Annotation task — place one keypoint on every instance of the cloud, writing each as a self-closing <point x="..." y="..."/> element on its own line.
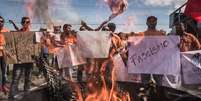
<point x="161" y="3"/>
<point x="62" y="12"/>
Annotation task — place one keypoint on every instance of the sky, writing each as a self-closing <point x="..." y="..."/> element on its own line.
<point x="94" y="12"/>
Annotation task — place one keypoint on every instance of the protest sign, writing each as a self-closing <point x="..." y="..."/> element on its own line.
<point x="191" y="67"/>
<point x="20" y="47"/>
<point x="154" y="55"/>
<point x="94" y="44"/>
<point x="121" y="71"/>
<point x="70" y="56"/>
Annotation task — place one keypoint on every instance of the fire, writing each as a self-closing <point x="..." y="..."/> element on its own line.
<point x="101" y="91"/>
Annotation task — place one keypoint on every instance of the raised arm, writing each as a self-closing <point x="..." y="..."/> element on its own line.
<point x="15" y="26"/>
<point x="91" y="29"/>
<point x="84" y="24"/>
<point x="101" y="26"/>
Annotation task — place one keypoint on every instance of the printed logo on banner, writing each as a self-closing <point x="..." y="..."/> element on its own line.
<point x="154" y="55"/>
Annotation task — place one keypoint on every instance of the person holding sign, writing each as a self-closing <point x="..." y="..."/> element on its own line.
<point x="188" y="42"/>
<point x="2" y="58"/>
<point x="20" y="67"/>
<point x="25" y="22"/>
<point x="151" y="31"/>
<point x="68" y="37"/>
<point x="115" y="48"/>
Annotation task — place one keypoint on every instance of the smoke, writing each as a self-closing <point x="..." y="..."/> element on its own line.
<point x="39" y="9"/>
<point x="62" y="12"/>
<point x="130" y="24"/>
<point x="52" y="12"/>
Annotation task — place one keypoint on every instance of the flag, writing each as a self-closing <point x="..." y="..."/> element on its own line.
<point x="193" y="9"/>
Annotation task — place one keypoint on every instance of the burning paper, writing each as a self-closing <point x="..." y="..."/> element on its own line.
<point x="117" y="7"/>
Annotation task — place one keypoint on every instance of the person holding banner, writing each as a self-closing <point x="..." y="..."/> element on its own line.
<point x="25" y="22"/>
<point x="19" y="68"/>
<point x="151" y="31"/>
<point x="2" y="56"/>
<point x="152" y="79"/>
<point x="115" y="48"/>
<point x="86" y="27"/>
<point x="188" y="42"/>
<point x="68" y="37"/>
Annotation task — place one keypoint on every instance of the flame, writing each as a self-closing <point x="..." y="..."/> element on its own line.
<point x="104" y="92"/>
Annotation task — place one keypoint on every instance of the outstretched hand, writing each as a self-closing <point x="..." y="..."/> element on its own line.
<point x="11" y="21"/>
<point x="83" y="23"/>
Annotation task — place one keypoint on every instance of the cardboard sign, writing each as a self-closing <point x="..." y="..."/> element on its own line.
<point x="20" y="47"/>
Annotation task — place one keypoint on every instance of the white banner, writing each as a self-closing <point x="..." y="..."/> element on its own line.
<point x="38" y="36"/>
<point x="70" y="56"/>
<point x="191" y="67"/>
<point x="154" y="55"/>
<point x="94" y="44"/>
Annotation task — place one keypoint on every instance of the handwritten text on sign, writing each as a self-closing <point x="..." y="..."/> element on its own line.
<point x="154" y="55"/>
<point x="191" y="71"/>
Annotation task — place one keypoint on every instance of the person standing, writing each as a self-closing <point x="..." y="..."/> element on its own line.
<point x="188" y="42"/>
<point x="19" y="68"/>
<point x="2" y="56"/>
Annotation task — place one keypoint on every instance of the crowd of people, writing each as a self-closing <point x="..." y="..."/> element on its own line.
<point x="51" y="44"/>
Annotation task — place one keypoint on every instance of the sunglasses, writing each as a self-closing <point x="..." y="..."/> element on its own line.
<point x="25" y="22"/>
<point x="1" y="21"/>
